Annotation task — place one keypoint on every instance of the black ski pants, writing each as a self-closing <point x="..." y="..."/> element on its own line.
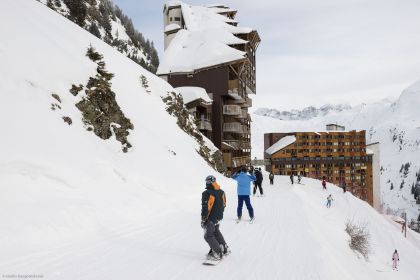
<point x="258" y="185"/>
<point x="213" y="236"/>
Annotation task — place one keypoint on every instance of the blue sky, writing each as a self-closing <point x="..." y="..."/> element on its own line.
<point x="318" y="52"/>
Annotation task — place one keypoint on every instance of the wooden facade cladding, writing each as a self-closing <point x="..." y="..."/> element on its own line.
<point x="338" y="156"/>
<point x="228" y="84"/>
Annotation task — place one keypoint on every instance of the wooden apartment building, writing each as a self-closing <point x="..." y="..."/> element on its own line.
<point x="339" y="156"/>
<point x="226" y="71"/>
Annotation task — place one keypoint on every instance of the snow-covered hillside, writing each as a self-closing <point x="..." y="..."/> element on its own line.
<point x="304" y="114"/>
<point x="75" y="206"/>
<point x="396" y="125"/>
<point x="108" y="22"/>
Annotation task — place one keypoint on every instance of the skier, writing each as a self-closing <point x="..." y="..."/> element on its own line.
<point x="271" y="177"/>
<point x="395" y="260"/>
<point x="213" y="203"/>
<point x="291" y="178"/>
<point x="258" y="181"/>
<point x="244" y="180"/>
<point x="299" y="178"/>
<point x="343" y="186"/>
<point x="329" y="199"/>
<point x="324" y="183"/>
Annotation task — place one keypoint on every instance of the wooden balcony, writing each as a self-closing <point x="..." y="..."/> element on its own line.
<point x="240" y="161"/>
<point x="247" y="103"/>
<point x="234" y="127"/>
<point x="233" y="85"/>
<point x="205" y="125"/>
<point x="232" y="110"/>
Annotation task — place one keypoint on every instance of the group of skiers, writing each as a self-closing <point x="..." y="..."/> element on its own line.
<point x="213" y="203"/>
<point x="292" y="178"/>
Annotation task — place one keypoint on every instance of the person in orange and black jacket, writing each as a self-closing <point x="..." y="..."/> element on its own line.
<point x="213" y="203"/>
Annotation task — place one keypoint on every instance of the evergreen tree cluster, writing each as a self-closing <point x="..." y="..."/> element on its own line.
<point x="94" y="15"/>
<point x="100" y="110"/>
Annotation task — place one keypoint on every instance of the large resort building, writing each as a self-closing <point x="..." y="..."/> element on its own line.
<point x="209" y="56"/>
<point x="340" y="156"/>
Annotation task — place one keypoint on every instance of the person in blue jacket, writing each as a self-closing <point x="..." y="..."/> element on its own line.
<point x="244" y="191"/>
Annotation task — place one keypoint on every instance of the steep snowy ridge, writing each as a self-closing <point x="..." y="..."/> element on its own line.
<point x="108" y="22"/>
<point x="396" y="125"/>
<point x="304" y="114"/>
<point x="74" y="206"/>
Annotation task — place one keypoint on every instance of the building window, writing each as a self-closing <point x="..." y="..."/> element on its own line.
<point x="177" y="19"/>
<point x="170" y="19"/>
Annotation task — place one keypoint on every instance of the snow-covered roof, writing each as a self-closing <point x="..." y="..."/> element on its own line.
<point x="173" y="3"/>
<point x="195" y="50"/>
<point x="204" y="42"/>
<point x="190" y="94"/>
<point x="172" y="27"/>
<point x="282" y="143"/>
<point x="369" y="152"/>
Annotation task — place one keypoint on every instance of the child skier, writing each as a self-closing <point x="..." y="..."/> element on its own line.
<point x="291" y="178"/>
<point x="271" y="177"/>
<point x="213" y="203"/>
<point x="299" y="178"/>
<point x="329" y="199"/>
<point x="244" y="180"/>
<point x="395" y="260"/>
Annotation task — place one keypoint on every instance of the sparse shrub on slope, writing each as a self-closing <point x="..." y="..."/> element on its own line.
<point x="187" y="122"/>
<point x="359" y="237"/>
<point x="101" y="112"/>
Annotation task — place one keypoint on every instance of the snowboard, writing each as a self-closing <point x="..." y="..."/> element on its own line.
<point x="212" y="262"/>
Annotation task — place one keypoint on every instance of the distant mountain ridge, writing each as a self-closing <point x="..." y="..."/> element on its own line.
<point x="108" y="22"/>
<point x="304" y="114"/>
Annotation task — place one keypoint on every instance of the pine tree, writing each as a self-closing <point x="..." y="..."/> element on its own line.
<point x="94" y="30"/>
<point x="78" y="11"/>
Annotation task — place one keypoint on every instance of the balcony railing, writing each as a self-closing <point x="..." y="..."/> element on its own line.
<point x="235" y="127"/>
<point x="232" y="144"/>
<point x="232" y="110"/>
<point x="247" y="103"/>
<point x="205" y="125"/>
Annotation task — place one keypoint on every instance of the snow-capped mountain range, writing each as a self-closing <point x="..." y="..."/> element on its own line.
<point x="396" y="125"/>
<point x="304" y="114"/>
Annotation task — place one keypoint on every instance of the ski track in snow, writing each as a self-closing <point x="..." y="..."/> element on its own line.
<point x="294" y="234"/>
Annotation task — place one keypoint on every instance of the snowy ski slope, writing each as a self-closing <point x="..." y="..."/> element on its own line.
<point x="73" y="206"/>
